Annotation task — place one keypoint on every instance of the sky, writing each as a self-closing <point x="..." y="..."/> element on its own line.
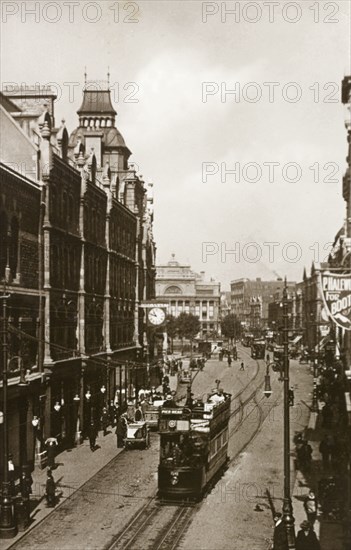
<point x="235" y="117"/>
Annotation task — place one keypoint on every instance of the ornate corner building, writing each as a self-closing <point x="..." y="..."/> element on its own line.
<point x="186" y="291"/>
<point x="77" y="256"/>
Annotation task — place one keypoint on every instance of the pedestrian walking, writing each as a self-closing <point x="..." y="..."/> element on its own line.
<point x="121" y="430"/>
<point x="26" y="481"/>
<point x="229" y="360"/>
<point x="112" y="414"/>
<point x="51" y="443"/>
<point x="26" y="490"/>
<point x="92" y="436"/>
<point x="306" y="538"/>
<point x="311" y="507"/>
<point x="104" y="420"/>
<point x="242" y="367"/>
<point x="280" y="541"/>
<point x="50" y="492"/>
<point x="11" y="474"/>
<point x="291" y="397"/>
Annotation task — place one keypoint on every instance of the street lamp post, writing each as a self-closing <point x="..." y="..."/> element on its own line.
<point x="8" y="528"/>
<point x="287" y="503"/>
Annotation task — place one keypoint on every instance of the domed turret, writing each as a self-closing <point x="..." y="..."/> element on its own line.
<point x="97" y="128"/>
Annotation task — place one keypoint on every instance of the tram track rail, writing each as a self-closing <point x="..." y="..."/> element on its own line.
<point x="165" y="524"/>
<point x="252" y="436"/>
<point x="156" y="526"/>
<point x="175" y="519"/>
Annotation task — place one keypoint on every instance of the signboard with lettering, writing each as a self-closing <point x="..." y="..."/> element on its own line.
<point x="336" y="293"/>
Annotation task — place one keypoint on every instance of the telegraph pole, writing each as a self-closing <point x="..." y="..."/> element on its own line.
<point x="287" y="503"/>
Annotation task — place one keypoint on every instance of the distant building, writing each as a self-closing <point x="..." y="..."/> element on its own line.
<point x="225" y="303"/>
<point x="189" y="292"/>
<point x="250" y="299"/>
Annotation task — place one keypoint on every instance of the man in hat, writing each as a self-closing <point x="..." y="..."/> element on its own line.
<point x="169" y="402"/>
<point x="121" y="430"/>
<point x="104" y="420"/>
<point x="306" y="538"/>
<point x="310" y="506"/>
<point x="50" y="489"/>
<point x="92" y="436"/>
<point x="280" y="541"/>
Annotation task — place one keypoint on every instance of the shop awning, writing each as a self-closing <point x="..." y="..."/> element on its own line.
<point x="296" y="339"/>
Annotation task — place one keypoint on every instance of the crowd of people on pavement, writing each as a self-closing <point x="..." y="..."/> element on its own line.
<point x="323" y="472"/>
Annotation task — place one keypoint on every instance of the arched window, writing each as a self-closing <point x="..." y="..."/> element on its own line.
<point x="173" y="290"/>
<point x="54" y="266"/>
<point x="70" y="211"/>
<point x="64" y="207"/>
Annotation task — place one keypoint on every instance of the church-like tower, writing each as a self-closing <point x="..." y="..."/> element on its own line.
<point x="97" y="131"/>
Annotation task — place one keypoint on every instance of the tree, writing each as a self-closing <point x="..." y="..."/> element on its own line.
<point x="231" y="326"/>
<point x="172" y="328"/>
<point x="188" y="327"/>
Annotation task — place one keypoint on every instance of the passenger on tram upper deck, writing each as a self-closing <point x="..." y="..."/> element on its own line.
<point x="169" y="402"/>
<point x="217" y="397"/>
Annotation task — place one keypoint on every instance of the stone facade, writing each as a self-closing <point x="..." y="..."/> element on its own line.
<point x="250" y="300"/>
<point x="186" y="291"/>
<point x="78" y="254"/>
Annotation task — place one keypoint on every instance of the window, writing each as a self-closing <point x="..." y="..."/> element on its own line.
<point x="14" y="247"/>
<point x="64" y="207"/>
<point x="3" y="243"/>
<point x="173" y="290"/>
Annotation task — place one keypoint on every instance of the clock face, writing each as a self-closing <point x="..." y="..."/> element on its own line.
<point x="156" y="316"/>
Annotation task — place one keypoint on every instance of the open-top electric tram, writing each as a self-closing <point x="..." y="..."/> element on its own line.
<point x="193" y="446"/>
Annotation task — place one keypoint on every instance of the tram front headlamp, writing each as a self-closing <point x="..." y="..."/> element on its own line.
<point x="174" y="478"/>
<point x="172" y="424"/>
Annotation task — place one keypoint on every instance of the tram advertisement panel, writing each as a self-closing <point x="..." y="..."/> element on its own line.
<point x="336" y="292"/>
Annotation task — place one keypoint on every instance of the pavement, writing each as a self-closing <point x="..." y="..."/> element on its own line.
<point x="74" y="467"/>
<point x="330" y="532"/>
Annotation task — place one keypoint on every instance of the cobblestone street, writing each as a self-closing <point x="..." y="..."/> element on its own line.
<point x="93" y="515"/>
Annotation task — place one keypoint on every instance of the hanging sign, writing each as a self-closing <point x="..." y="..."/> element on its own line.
<point x="336" y="293"/>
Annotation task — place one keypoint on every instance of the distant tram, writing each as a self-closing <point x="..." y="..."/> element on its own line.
<point x="258" y="348"/>
<point x="193" y="446"/>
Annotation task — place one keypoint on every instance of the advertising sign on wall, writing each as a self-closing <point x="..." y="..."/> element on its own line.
<point x="336" y="292"/>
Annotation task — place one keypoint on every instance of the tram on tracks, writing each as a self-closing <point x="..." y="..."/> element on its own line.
<point x="258" y="348"/>
<point x="193" y="446"/>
